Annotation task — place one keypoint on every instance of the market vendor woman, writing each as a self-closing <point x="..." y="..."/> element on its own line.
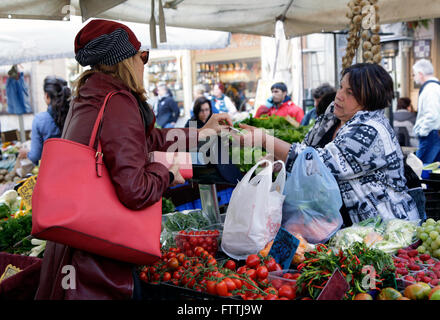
<point x="127" y="136"/>
<point x="356" y="142"/>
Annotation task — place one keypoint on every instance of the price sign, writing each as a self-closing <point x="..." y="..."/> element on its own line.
<point x="25" y="191"/>
<point x="284" y="248"/>
<point x="335" y="288"/>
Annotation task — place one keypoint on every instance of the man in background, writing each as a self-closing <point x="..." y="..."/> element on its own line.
<point x="167" y="108"/>
<point x="280" y="104"/>
<point x="427" y="123"/>
<point x="317" y="94"/>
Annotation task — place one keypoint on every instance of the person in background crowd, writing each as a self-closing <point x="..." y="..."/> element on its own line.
<point x="427" y="123"/>
<point x="50" y="123"/>
<point x="202" y="111"/>
<point x="198" y="91"/>
<point x="317" y="94"/>
<point x="167" y="108"/>
<point x="280" y="104"/>
<point x="325" y="101"/>
<point x="220" y="102"/>
<point x="127" y="136"/>
<point x="207" y="93"/>
<point x="154" y="100"/>
<point x="404" y="120"/>
<point x="355" y="141"/>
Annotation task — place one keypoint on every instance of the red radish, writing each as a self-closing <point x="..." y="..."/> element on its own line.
<point x="413" y="267"/>
<point x="435" y="282"/>
<point x="413" y="253"/>
<point x="425" y="257"/>
<point x="426" y="279"/>
<point x="410" y="278"/>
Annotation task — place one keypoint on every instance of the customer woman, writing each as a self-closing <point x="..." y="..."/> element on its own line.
<point x="221" y="102"/>
<point x="356" y="142"/>
<point x="48" y="124"/>
<point x="127" y="136"/>
<point x="202" y="112"/>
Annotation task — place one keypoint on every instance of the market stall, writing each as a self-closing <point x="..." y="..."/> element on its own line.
<point x="261" y="257"/>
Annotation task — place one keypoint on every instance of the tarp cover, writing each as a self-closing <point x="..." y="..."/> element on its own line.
<point x="31" y="40"/>
<point x="237" y="16"/>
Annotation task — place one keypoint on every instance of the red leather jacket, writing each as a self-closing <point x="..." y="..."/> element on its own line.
<point x="138" y="183"/>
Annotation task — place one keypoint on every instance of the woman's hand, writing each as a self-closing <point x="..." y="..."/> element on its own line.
<point x="178" y="179"/>
<point x="215" y="124"/>
<point x="255" y="137"/>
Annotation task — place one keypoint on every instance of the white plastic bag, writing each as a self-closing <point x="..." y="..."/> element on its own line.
<point x="254" y="212"/>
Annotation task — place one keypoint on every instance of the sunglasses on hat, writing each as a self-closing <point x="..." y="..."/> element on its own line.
<point x="145" y="55"/>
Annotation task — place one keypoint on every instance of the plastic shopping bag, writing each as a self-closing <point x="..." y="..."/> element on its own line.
<point x="254" y="212"/>
<point x="312" y="203"/>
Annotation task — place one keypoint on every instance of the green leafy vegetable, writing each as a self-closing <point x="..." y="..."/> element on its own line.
<point x="15" y="230"/>
<point x="167" y="206"/>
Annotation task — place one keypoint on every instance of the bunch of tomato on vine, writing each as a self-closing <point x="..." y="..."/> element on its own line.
<point x="203" y="273"/>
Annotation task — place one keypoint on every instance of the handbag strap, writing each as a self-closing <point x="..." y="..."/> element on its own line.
<point x="99" y="155"/>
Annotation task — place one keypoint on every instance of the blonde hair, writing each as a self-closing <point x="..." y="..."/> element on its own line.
<point x="123" y="71"/>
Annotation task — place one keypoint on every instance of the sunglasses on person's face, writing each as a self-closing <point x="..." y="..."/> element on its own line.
<point x="144" y="56"/>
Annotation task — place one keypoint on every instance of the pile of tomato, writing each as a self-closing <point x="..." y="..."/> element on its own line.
<point x="203" y="273"/>
<point x="187" y="241"/>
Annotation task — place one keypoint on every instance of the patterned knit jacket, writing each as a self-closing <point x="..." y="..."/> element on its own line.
<point x="367" y="162"/>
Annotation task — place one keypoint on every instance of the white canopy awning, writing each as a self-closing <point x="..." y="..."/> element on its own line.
<point x="237" y="16"/>
<point x="31" y="40"/>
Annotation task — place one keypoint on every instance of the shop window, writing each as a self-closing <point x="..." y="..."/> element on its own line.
<point x="240" y="78"/>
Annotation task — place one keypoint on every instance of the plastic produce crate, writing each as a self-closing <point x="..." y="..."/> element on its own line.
<point x="432" y="205"/>
<point x="23" y="285"/>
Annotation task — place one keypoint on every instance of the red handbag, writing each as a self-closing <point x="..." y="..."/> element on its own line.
<point x="75" y="203"/>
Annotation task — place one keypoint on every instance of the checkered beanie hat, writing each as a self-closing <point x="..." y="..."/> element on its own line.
<point x="105" y="42"/>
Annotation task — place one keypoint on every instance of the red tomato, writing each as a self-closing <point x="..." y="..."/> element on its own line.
<point x="211" y="262"/>
<point x="230" y="284"/>
<point x="180" y="257"/>
<point x="198" y="251"/>
<point x="237" y="282"/>
<point x="287" y="291"/>
<point x="171" y="255"/>
<point x="262" y="272"/>
<point x="143" y="276"/>
<point x="241" y="270"/>
<point x="173" y="263"/>
<point x="166" y="276"/>
<point x="230" y="264"/>
<point x="271" y="290"/>
<point x="252" y="260"/>
<point x="156" y="277"/>
<point x="288" y="276"/>
<point x="264" y="282"/>
<point x="177" y="275"/>
<point x="277" y="283"/>
<point x="270" y="264"/>
<point x="271" y="297"/>
<point x="296" y="276"/>
<point x="222" y="289"/>
<point x="252" y="274"/>
<point x="186" y="264"/>
<point x="211" y="287"/>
